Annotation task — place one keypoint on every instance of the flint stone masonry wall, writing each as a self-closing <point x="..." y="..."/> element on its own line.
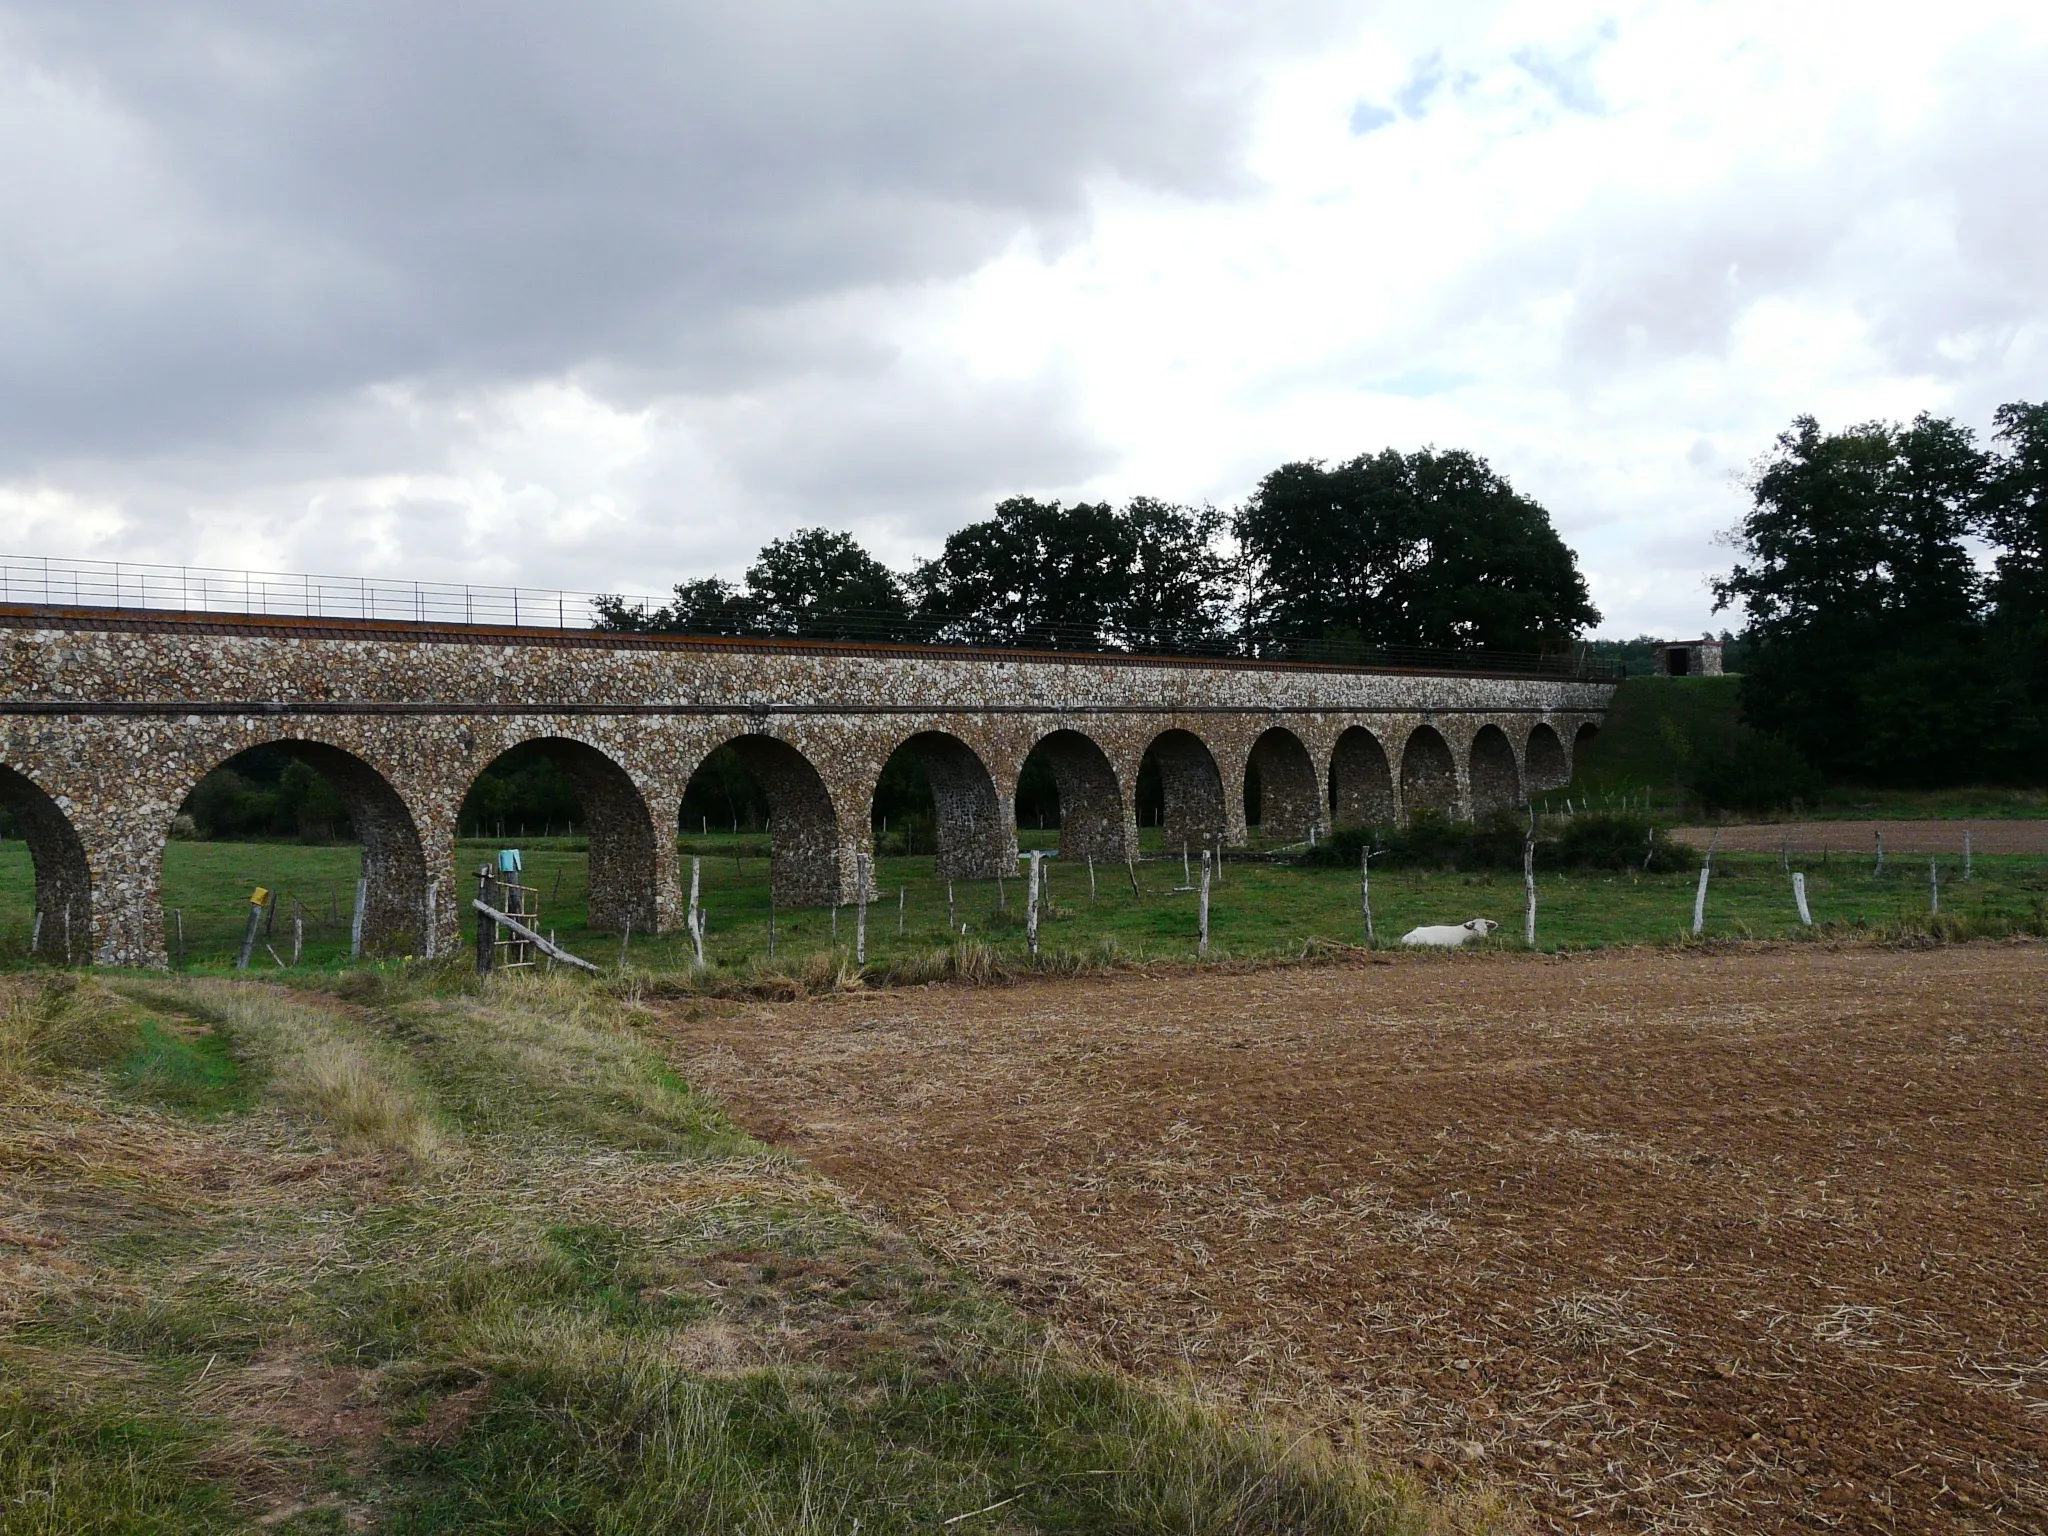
<point x="107" y="723"/>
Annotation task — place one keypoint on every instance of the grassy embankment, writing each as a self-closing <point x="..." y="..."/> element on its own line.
<point x="1660" y="728"/>
<point x="1258" y="909"/>
<point x="415" y="1257"/>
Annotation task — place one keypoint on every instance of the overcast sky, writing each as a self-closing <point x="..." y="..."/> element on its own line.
<point x="605" y="295"/>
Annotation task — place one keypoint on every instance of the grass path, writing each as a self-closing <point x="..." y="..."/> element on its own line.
<point x="425" y="1259"/>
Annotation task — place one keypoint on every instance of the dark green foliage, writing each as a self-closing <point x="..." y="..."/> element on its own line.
<point x="1421" y="549"/>
<point x="265" y="794"/>
<point x="524" y="792"/>
<point x="1878" y="652"/>
<point x="1754" y="773"/>
<point x="1042" y="574"/>
<point x="1600" y="840"/>
<point x="824" y="586"/>
<point x="815" y="584"/>
<point x="723" y="794"/>
<point x="1611" y="840"/>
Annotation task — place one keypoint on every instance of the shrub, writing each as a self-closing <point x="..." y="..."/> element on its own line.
<point x="1756" y="773"/>
<point x="1604" y="840"/>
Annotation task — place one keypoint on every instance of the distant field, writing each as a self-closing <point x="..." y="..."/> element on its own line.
<point x="1256" y="909"/>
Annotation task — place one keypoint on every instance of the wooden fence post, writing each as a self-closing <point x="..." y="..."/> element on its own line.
<point x="1031" y="904"/>
<point x="860" y="919"/>
<point x="1203" y="949"/>
<point x="258" y="902"/>
<point x="1365" y="892"/>
<point x="1799" y="897"/>
<point x="1529" y="884"/>
<point x="486" y="925"/>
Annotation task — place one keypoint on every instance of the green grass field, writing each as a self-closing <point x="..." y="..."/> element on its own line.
<point x="1256" y="909"/>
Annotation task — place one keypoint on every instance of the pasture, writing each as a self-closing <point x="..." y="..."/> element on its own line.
<point x="1257" y="908"/>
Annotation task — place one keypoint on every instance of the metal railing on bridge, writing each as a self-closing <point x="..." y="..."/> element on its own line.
<point x="41" y="582"/>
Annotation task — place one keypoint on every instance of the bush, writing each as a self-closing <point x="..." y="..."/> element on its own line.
<point x="1605" y="840"/>
<point x="1756" y="773"/>
<point x="1612" y="840"/>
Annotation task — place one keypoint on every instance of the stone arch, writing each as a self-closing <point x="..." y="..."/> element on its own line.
<point x="1429" y="774"/>
<point x="1361" y="782"/>
<point x="1495" y="777"/>
<point x="1547" y="767"/>
<point x="624" y="863"/>
<point x="1585" y="733"/>
<point x="974" y="841"/>
<point x="1094" y="820"/>
<point x="805" y="867"/>
<point x="1289" y="800"/>
<point x="62" y="923"/>
<point x="395" y="916"/>
<point x="1192" y="785"/>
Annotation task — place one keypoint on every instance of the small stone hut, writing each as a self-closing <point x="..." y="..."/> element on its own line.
<point x="1689" y="658"/>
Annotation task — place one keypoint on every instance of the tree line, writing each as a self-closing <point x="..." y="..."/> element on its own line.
<point x="1387" y="550"/>
<point x="1895" y="582"/>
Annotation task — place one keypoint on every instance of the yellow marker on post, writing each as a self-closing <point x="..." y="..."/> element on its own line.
<point x="258" y="900"/>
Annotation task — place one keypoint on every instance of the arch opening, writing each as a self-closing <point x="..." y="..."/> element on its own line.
<point x="1429" y="774"/>
<point x="1190" y="790"/>
<point x="60" y="917"/>
<point x="935" y="795"/>
<point x="1280" y="793"/>
<point x="320" y="793"/>
<point x="556" y="780"/>
<point x="1086" y="801"/>
<point x="765" y="779"/>
<point x="1361" y="782"/>
<point x="1547" y="768"/>
<point x="1495" y="777"/>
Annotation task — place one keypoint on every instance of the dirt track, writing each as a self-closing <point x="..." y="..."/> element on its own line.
<point x="2012" y="835"/>
<point x="1737" y="1241"/>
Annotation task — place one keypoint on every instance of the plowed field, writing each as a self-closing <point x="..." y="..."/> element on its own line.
<point x="1748" y="1240"/>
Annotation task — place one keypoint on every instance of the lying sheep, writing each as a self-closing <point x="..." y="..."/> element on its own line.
<point x="1446" y="936"/>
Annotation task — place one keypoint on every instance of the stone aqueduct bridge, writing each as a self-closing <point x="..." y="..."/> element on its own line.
<point x="110" y="719"/>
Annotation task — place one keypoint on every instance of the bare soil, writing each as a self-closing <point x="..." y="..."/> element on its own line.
<point x="2010" y="835"/>
<point x="1655" y="1240"/>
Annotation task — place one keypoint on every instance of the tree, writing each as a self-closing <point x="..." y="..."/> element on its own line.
<point x="1036" y="573"/>
<point x="822" y="585"/>
<point x="1176" y="590"/>
<point x="1425" y="548"/>
<point x="707" y="607"/>
<point x="1864" y="605"/>
<point x="815" y="584"/>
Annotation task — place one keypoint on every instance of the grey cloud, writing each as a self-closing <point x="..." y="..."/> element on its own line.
<point x="230" y="213"/>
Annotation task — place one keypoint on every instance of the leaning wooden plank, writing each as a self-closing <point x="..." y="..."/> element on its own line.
<point x="535" y="939"/>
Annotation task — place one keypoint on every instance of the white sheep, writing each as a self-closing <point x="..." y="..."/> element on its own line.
<point x="1448" y="936"/>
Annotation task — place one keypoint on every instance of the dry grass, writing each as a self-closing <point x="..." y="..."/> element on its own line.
<point x="317" y="1061"/>
<point x="601" y="1307"/>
